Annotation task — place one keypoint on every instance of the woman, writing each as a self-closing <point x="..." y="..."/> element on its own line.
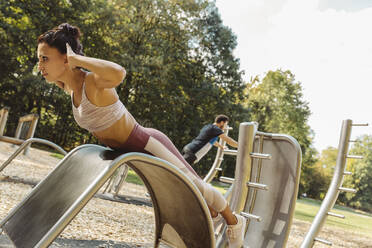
<point x="97" y="108"/>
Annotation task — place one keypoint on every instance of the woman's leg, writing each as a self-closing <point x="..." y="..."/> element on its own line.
<point x="161" y="146"/>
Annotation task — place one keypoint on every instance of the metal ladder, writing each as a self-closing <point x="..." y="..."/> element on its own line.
<point x="241" y="184"/>
<point x="335" y="187"/>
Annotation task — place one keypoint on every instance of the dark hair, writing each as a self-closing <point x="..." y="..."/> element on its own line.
<point x="59" y="36"/>
<point x="220" y="118"/>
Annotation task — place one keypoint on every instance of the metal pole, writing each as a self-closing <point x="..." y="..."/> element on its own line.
<point x="333" y="190"/>
<point x="247" y="133"/>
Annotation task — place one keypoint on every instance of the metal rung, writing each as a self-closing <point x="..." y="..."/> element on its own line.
<point x="354" y="141"/>
<point x="360" y="125"/>
<point x="354" y="156"/>
<point x="230" y="152"/>
<point x="336" y="215"/>
<point x="269" y="135"/>
<point x="260" y="155"/>
<point x="257" y="185"/>
<point x="326" y="242"/>
<point x="348" y="190"/>
<point x="227" y="180"/>
<point x="348" y="173"/>
<point x="218" y="169"/>
<point x="251" y="216"/>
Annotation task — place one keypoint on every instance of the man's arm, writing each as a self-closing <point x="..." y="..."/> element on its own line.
<point x="229" y="140"/>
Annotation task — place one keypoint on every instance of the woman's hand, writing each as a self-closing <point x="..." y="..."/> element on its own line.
<point x="70" y="57"/>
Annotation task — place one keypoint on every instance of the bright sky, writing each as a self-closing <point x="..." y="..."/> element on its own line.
<point x="327" y="44"/>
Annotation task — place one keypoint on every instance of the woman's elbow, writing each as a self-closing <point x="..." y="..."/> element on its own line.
<point x="120" y="75"/>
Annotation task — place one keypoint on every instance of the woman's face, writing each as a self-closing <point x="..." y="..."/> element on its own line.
<point x="52" y="64"/>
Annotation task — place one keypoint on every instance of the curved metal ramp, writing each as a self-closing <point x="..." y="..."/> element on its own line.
<point x="182" y="217"/>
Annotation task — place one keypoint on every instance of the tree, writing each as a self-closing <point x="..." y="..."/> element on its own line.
<point x="278" y="106"/>
<point x="178" y="57"/>
<point x="361" y="179"/>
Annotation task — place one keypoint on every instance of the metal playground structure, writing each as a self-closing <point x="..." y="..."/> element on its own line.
<point x="264" y="190"/>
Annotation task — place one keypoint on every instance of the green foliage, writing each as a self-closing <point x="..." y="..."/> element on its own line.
<point x="361" y="179"/>
<point x="322" y="173"/>
<point x="178" y="57"/>
<point x="278" y="106"/>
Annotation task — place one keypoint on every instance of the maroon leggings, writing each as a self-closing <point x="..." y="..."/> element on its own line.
<point x="139" y="138"/>
<point x="154" y="142"/>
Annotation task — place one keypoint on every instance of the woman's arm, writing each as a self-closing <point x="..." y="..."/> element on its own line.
<point x="106" y="74"/>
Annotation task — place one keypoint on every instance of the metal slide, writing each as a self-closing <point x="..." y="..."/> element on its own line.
<point x="182" y="217"/>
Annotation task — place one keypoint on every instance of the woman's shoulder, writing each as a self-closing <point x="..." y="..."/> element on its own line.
<point x="98" y="96"/>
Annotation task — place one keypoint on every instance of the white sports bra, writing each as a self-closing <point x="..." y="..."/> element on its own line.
<point x="94" y="118"/>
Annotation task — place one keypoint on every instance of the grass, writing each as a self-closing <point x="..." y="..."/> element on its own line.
<point x="356" y="221"/>
<point x="57" y="155"/>
<point x="133" y="178"/>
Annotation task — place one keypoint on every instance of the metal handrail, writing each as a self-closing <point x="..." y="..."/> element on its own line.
<point x="218" y="160"/>
<point x="24" y="146"/>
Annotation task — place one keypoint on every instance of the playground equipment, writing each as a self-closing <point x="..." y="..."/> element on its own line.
<point x="265" y="186"/>
<point x="264" y="190"/>
<point x="182" y="216"/>
<point x="25" y="129"/>
<point x="216" y="166"/>
<point x="24" y="146"/>
<point x="116" y="182"/>
<point x="23" y="136"/>
<point x="334" y="188"/>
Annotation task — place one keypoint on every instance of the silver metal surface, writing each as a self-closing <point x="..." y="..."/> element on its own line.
<point x="260" y="155"/>
<point x="182" y="217"/>
<point x="348" y="190"/>
<point x="336" y="215"/>
<point x="274" y="207"/>
<point x="326" y="242"/>
<point x="251" y="216"/>
<point x="354" y="156"/>
<point x="333" y="190"/>
<point x="230" y="152"/>
<point x="247" y="132"/>
<point x="227" y="180"/>
<point x="28" y="142"/>
<point x="360" y="125"/>
<point x="257" y="185"/>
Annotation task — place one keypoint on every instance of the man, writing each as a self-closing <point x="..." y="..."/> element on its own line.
<point x="207" y="137"/>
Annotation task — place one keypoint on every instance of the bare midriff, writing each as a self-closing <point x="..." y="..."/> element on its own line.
<point x="116" y="135"/>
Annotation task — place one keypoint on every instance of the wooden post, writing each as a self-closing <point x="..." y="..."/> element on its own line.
<point x="3" y="118"/>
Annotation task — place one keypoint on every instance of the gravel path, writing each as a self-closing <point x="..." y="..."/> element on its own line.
<point x="104" y="223"/>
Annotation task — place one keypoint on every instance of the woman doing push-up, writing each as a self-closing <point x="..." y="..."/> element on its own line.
<point x="96" y="107"/>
